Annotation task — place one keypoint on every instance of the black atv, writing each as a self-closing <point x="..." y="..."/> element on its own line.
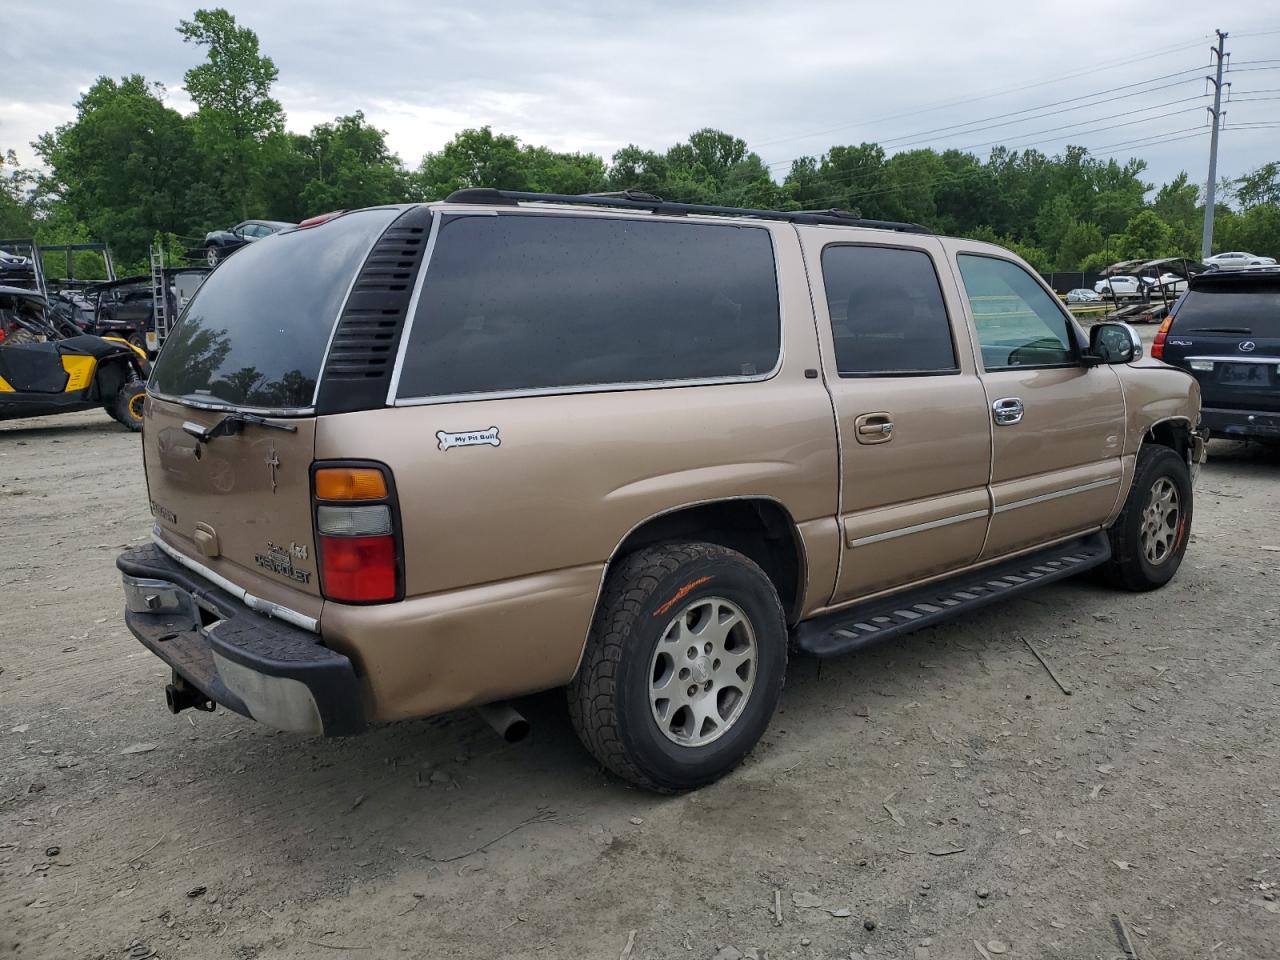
<point x="47" y="365"/>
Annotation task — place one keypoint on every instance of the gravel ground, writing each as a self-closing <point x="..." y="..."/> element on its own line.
<point x="906" y="802"/>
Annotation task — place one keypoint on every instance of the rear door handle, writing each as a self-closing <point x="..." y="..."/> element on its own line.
<point x="873" y="428"/>
<point x="1006" y="411"/>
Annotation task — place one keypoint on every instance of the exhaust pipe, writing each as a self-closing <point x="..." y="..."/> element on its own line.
<point x="505" y="720"/>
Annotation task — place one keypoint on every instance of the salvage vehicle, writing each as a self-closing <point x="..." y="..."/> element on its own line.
<point x="423" y="457"/>
<point x="220" y="244"/>
<point x="47" y="366"/>
<point x="1226" y="332"/>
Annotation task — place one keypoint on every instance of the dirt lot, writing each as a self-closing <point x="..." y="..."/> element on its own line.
<point x="939" y="791"/>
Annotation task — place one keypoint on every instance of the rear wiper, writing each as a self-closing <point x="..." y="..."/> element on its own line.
<point x="1243" y="331"/>
<point x="232" y="424"/>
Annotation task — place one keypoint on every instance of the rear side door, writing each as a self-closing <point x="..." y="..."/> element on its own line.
<point x="914" y="436"/>
<point x="1057" y="424"/>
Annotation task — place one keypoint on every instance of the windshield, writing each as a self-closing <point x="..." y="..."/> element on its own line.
<point x="1250" y="310"/>
<point x="255" y="333"/>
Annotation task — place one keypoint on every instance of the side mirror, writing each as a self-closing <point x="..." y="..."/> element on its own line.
<point x="1114" y="343"/>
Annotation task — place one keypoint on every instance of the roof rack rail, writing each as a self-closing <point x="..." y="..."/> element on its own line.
<point x="637" y="200"/>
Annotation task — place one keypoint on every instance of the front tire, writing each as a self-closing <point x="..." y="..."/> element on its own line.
<point x="1149" y="538"/>
<point x="683" y="667"/>
<point x="212" y="255"/>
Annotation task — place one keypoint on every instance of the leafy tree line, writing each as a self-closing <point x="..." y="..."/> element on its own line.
<point x="129" y="167"/>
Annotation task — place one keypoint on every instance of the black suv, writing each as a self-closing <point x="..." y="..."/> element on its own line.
<point x="1225" y="330"/>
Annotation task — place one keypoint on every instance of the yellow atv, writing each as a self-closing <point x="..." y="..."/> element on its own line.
<point x="49" y="366"/>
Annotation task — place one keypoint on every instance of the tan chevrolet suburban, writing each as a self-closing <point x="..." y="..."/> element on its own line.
<point x="416" y="458"/>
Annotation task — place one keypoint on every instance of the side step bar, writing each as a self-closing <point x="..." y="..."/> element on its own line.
<point x="874" y="621"/>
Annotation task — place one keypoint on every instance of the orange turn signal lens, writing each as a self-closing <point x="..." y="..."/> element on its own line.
<point x="350" y="483"/>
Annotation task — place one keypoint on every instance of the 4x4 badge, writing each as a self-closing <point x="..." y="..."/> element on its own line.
<point x="469" y="438"/>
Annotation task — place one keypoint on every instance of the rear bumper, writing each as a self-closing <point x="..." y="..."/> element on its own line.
<point x="259" y="667"/>
<point x="1241" y="424"/>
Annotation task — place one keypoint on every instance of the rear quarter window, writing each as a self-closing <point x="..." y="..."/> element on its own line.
<point x="255" y="333"/>
<point x="521" y="302"/>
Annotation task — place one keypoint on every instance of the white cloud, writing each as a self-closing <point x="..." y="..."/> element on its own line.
<point x="576" y="75"/>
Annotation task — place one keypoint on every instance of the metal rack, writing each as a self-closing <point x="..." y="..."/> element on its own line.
<point x="635" y="200"/>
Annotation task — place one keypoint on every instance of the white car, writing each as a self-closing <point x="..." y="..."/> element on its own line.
<point x="1237" y="259"/>
<point x="1171" y="282"/>
<point x="1118" y="286"/>
<point x="1081" y="295"/>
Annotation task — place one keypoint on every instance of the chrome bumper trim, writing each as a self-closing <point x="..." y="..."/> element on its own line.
<point x="264" y="607"/>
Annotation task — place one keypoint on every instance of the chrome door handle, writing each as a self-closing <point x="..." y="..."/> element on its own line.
<point x="873" y="428"/>
<point x="1006" y="411"/>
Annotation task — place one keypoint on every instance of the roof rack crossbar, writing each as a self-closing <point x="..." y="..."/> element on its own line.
<point x="635" y="200"/>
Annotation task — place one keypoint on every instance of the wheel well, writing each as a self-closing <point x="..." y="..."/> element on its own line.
<point x="757" y="528"/>
<point x="1174" y="434"/>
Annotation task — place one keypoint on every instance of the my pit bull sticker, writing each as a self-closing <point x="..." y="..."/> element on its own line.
<point x="469" y="438"/>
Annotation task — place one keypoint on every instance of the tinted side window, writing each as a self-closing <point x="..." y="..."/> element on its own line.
<point x="1019" y="325"/>
<point x="887" y="314"/>
<point x="528" y="302"/>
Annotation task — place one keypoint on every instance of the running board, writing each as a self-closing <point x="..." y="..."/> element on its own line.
<point x="874" y="621"/>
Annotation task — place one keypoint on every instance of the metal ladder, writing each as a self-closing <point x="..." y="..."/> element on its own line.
<point x="159" y="295"/>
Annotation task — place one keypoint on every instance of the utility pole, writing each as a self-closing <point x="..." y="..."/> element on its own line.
<point x="1206" y="242"/>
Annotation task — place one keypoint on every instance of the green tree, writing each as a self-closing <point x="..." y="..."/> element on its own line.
<point x="348" y="166"/>
<point x="1146" y="237"/>
<point x="125" y="167"/>
<point x="232" y="91"/>
<point x="1078" y="242"/>
<point x="1259" y="187"/>
<point x="17" y="197"/>
<point x="473" y="158"/>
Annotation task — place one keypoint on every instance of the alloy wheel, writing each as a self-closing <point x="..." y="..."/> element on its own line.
<point x="1161" y="518"/>
<point x="702" y="671"/>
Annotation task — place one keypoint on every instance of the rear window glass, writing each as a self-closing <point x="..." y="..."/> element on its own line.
<point x="1251" y="310"/>
<point x="527" y="302"/>
<point x="887" y="314"/>
<point x="255" y="333"/>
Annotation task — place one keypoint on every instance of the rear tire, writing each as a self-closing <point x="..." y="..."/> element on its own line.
<point x="683" y="667"/>
<point x="127" y="406"/>
<point x="1149" y="538"/>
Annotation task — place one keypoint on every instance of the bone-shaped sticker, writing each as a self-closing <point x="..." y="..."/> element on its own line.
<point x="469" y="438"/>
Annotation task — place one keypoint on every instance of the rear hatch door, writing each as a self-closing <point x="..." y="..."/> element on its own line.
<point x="227" y="490"/>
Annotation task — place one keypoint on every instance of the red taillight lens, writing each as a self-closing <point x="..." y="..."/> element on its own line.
<point x="358" y="569"/>
<point x="1157" y="345"/>
<point x="357" y="532"/>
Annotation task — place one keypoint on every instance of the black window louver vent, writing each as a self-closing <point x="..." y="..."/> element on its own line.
<point x="357" y="373"/>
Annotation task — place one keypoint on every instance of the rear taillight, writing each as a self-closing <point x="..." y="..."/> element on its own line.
<point x="357" y="533"/>
<point x="1157" y="345"/>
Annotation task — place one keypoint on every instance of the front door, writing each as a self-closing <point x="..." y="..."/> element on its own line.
<point x="911" y="414"/>
<point x="1057" y="424"/>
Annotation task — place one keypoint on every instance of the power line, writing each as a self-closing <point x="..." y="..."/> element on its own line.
<point x="1081" y="123"/>
<point x="979" y="125"/>
<point x="1096" y="68"/>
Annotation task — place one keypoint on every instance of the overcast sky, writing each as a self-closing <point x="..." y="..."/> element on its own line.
<point x="789" y="78"/>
